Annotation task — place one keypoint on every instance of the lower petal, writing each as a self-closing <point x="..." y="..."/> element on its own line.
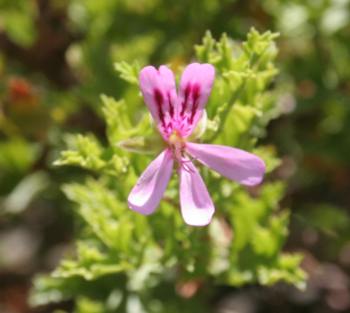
<point x="197" y="207"/>
<point x="149" y="189"/>
<point x="241" y="166"/>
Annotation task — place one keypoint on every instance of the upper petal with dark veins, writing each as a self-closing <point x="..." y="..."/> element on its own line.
<point x="195" y="87"/>
<point x="159" y="92"/>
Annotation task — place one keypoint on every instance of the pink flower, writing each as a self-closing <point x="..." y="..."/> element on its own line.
<point x="176" y="117"/>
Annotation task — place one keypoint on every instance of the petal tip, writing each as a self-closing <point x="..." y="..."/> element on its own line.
<point x="199" y="222"/>
<point x="136" y="207"/>
<point x="197" y="207"/>
<point x="258" y="178"/>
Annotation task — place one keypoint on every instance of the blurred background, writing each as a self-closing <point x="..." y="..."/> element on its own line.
<point x="57" y="57"/>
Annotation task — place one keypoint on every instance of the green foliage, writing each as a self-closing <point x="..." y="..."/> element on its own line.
<point x="128" y="72"/>
<point x="95" y="39"/>
<point x="126" y="256"/>
<point x="24" y="192"/>
<point x="16" y="158"/>
<point x="317" y="32"/>
<point x="85" y="151"/>
<point x="241" y="86"/>
<point x="88" y="153"/>
<point x="17" y="19"/>
<point x="326" y="218"/>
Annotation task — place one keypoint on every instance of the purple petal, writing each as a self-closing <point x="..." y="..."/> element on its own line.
<point x="159" y="92"/>
<point x="147" y="193"/>
<point x="195" y="87"/>
<point x="241" y="166"/>
<point x="197" y="207"/>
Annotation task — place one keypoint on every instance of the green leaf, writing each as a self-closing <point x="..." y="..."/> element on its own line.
<point x="91" y="264"/>
<point x="85" y="151"/>
<point x="128" y="72"/>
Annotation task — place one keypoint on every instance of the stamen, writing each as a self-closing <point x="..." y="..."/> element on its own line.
<point x="183" y="164"/>
<point x="177" y="146"/>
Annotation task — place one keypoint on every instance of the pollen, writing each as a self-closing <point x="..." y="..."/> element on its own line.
<point x="177" y="145"/>
<point x="175" y="139"/>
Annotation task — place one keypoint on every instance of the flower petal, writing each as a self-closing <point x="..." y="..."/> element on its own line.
<point x="149" y="189"/>
<point x="159" y="92"/>
<point x="241" y="166"/>
<point x="195" y="87"/>
<point x="197" y="207"/>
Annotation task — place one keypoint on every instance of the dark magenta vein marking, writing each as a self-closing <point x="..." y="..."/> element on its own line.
<point x="195" y="98"/>
<point x="171" y="107"/>
<point x="158" y="97"/>
<point x="187" y="94"/>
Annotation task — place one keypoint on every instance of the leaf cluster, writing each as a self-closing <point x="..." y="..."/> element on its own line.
<point x="123" y="257"/>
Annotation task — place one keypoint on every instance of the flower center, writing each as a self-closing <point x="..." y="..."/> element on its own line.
<point x="177" y="144"/>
